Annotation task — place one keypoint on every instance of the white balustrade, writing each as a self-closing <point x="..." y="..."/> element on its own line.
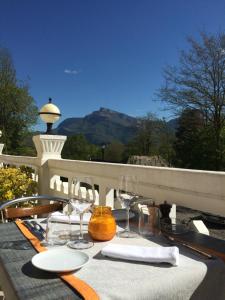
<point x="1" y="148"/>
<point x="202" y="190"/>
<point x="48" y="147"/>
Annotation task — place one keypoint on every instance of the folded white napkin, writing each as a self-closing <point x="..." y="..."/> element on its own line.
<point x="140" y="253"/>
<point x="60" y="217"/>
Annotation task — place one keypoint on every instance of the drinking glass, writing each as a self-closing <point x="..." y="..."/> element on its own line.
<point x="81" y="200"/>
<point x="57" y="229"/>
<point x="127" y="195"/>
<point x="149" y="220"/>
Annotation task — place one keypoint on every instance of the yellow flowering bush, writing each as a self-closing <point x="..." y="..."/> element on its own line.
<point x="16" y="183"/>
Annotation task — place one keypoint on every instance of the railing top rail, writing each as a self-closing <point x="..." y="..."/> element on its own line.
<point x="203" y="190"/>
<point x="62" y="162"/>
<point x="14" y="159"/>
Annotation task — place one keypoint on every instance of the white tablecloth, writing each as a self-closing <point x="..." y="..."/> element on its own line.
<point x="194" y="278"/>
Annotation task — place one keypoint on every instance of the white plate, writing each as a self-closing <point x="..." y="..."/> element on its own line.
<point x="60" y="260"/>
<point x="121" y="214"/>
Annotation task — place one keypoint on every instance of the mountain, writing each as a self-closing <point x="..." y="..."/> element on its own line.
<point x="104" y="126"/>
<point x="101" y="127"/>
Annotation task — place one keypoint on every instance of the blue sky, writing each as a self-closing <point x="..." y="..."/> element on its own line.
<point x="88" y="54"/>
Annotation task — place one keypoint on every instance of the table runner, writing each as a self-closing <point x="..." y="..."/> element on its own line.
<point x="195" y="278"/>
<point x="25" y="281"/>
<point x="84" y="289"/>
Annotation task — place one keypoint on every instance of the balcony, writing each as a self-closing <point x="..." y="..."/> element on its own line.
<point x="198" y="190"/>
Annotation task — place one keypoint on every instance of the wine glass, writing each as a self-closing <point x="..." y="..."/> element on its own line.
<point x="127" y="195"/>
<point x="81" y="200"/>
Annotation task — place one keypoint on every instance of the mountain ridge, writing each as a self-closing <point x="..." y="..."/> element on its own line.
<point x="102" y="126"/>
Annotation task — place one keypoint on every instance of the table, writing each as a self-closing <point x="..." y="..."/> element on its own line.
<point x="194" y="278"/>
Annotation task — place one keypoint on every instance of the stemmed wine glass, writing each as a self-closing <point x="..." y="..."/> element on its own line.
<point x="81" y="200"/>
<point x="127" y="195"/>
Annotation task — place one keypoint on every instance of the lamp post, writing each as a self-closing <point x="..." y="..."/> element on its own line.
<point x="103" y="152"/>
<point x="1" y="147"/>
<point x="48" y="146"/>
<point x="49" y="113"/>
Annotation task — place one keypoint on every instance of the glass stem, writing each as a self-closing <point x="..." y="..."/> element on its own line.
<point x="47" y="234"/>
<point x="81" y="227"/>
<point x="128" y="219"/>
<point x="70" y="225"/>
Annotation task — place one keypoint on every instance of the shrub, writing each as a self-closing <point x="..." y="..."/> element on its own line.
<point x="16" y="183"/>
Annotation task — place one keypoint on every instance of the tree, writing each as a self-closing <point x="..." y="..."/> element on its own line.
<point x="18" y="111"/>
<point x="188" y="144"/>
<point x="77" y="147"/>
<point x="114" y="152"/>
<point x="153" y="138"/>
<point x="145" y="142"/>
<point x="198" y="82"/>
<point x="166" y="139"/>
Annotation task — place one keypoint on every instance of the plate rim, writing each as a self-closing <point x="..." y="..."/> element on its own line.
<point x="60" y="270"/>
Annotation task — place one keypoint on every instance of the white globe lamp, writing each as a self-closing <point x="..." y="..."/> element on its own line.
<point x="49" y="113"/>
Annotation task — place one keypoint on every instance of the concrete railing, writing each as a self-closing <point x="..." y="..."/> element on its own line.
<point x="202" y="190"/>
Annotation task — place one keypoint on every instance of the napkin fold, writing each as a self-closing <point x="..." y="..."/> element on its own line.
<point x="146" y="254"/>
<point x="60" y="217"/>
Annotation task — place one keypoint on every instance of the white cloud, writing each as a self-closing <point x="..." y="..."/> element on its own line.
<point x="73" y="72"/>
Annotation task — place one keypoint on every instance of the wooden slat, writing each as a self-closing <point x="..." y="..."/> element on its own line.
<point x="19" y="212"/>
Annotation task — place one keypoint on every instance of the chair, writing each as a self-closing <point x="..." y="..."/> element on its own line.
<point x="20" y="212"/>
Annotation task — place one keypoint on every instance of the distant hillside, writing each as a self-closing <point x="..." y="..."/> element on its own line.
<point x="102" y="126"/>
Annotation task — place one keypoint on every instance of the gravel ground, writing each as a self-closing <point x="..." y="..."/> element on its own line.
<point x="215" y="229"/>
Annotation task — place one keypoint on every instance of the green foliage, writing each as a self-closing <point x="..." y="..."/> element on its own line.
<point x="188" y="144"/>
<point x="114" y="152"/>
<point x="77" y="147"/>
<point x="166" y="139"/>
<point x="15" y="183"/>
<point x="198" y="83"/>
<point x="18" y="111"/>
<point x="195" y="144"/>
<point x="154" y="137"/>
